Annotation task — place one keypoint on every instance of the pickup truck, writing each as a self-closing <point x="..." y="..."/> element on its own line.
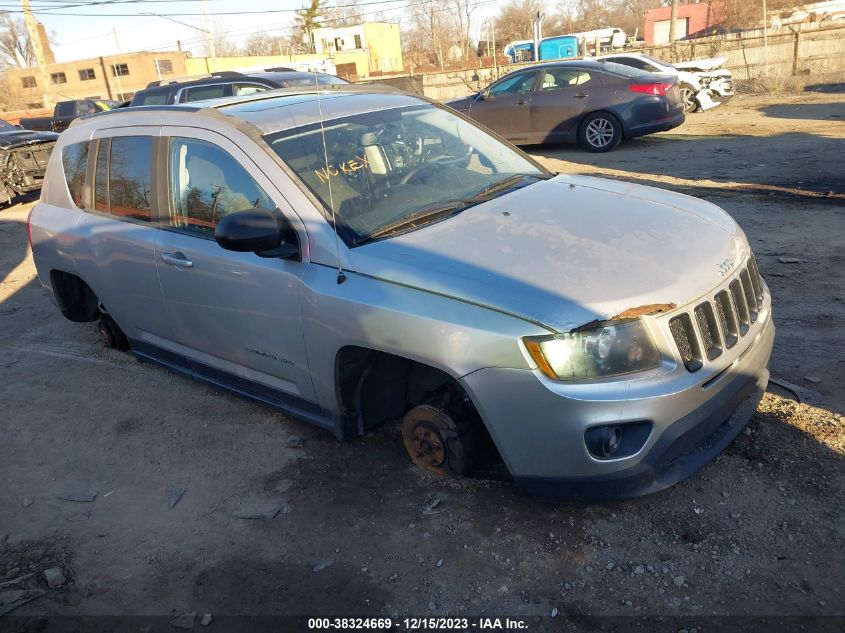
<point x="23" y="160"/>
<point x="65" y="112"/>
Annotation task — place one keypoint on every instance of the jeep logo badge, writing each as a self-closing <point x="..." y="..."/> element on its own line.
<point x="725" y="267"/>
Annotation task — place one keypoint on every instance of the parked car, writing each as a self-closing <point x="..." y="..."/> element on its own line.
<point x="595" y="104"/>
<point x="65" y="112"/>
<point x="355" y="257"/>
<point x="23" y="160"/>
<point x="703" y="83"/>
<point x="227" y="84"/>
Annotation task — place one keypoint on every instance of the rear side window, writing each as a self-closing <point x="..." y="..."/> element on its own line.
<point x="204" y="92"/>
<point x="75" y="163"/>
<point x="155" y="98"/>
<point x="561" y="78"/>
<point x="619" y="69"/>
<point x="122" y="183"/>
<point x="206" y="184"/>
<point x="240" y="90"/>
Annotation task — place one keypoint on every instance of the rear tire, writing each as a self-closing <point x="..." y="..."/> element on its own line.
<point x="600" y="132"/>
<point x="111" y="335"/>
<point x="688" y="97"/>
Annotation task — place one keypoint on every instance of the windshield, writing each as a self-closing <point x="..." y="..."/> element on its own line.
<point x="396" y="170"/>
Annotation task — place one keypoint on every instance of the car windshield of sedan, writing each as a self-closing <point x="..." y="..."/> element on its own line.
<point x="393" y="171"/>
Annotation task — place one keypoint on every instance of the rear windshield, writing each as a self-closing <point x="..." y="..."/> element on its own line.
<point x="620" y="69"/>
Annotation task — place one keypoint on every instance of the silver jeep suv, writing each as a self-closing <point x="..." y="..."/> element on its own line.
<point x="355" y="257"/>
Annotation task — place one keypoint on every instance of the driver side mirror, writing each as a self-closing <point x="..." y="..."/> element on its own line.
<point x="264" y="232"/>
<point x="484" y="95"/>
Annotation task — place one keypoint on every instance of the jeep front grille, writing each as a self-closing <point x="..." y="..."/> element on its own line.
<point x="719" y="323"/>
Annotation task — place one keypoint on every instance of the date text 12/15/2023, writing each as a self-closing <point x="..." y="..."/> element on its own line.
<point x="419" y="624"/>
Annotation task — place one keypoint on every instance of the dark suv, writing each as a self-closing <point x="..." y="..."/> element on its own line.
<point x="227" y="84"/>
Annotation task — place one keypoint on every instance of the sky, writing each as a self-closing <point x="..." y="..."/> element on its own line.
<point x="91" y="28"/>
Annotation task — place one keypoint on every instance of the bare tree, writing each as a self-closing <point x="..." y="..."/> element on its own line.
<point x="261" y="43"/>
<point x="15" y="47"/>
<point x="516" y="20"/>
<point x="432" y="31"/>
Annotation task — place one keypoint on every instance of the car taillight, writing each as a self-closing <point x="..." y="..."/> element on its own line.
<point x="659" y="89"/>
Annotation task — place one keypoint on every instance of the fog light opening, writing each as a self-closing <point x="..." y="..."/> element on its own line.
<point x="611" y="439"/>
<point x="616" y="441"/>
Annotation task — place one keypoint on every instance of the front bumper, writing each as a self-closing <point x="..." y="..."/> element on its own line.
<point x="539" y="431"/>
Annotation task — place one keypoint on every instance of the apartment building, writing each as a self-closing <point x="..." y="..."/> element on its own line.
<point x="114" y="77"/>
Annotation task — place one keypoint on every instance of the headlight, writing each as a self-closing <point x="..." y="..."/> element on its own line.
<point x="596" y="350"/>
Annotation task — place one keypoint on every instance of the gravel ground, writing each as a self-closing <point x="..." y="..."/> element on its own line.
<point x="203" y="502"/>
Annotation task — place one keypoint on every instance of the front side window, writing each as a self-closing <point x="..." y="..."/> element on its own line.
<point x="75" y="163"/>
<point x="206" y="183"/>
<point x="400" y="167"/>
<point x="122" y="182"/>
<point x="516" y="84"/>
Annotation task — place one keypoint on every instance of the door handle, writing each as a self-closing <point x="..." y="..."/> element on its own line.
<point x="581" y="95"/>
<point x="520" y="102"/>
<point x="176" y="259"/>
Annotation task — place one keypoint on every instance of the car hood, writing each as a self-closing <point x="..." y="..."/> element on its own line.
<point x="566" y="251"/>
<point x="19" y="138"/>
<point x="463" y="104"/>
<point x="702" y="64"/>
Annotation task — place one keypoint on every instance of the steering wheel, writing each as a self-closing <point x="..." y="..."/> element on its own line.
<point x="434" y="161"/>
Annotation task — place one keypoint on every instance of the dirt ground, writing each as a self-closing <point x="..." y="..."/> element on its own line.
<point x="757" y="533"/>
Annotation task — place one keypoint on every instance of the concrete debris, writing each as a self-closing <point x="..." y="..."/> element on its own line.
<point x="11" y="600"/>
<point x="812" y="379"/>
<point x="432" y="606"/>
<point x="296" y="441"/>
<point x="55" y="577"/>
<point x="15" y="581"/>
<point x="26" y="502"/>
<point x="78" y="497"/>
<point x="440" y="563"/>
<point x="431" y="503"/>
<point x="206" y="619"/>
<point x="554" y="612"/>
<point x="174" y="495"/>
<point x="252" y="507"/>
<point x="323" y="564"/>
<point x="79" y="517"/>
<point x="789" y="260"/>
<point x="184" y="621"/>
<point x="679" y="581"/>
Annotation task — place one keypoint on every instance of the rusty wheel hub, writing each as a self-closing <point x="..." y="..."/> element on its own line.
<point x="428" y="446"/>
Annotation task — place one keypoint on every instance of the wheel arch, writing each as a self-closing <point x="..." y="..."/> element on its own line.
<point x="374" y="386"/>
<point x="75" y="298"/>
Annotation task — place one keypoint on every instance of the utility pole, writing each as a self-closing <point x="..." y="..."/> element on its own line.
<point x="38" y="49"/>
<point x="114" y="66"/>
<point x="209" y="34"/>
<point x="766" y="37"/>
<point x="672" y="17"/>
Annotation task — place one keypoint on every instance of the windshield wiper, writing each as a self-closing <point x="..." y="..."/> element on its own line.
<point x="415" y="220"/>
<point x="492" y="191"/>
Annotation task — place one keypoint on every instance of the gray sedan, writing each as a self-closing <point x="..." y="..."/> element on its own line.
<point x="593" y="103"/>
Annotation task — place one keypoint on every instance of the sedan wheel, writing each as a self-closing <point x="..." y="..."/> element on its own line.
<point x="600" y="132"/>
<point x="688" y="96"/>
